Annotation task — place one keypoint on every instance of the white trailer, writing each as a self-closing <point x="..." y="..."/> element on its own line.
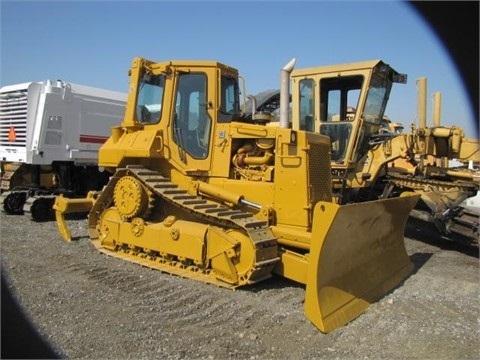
<point x="50" y="134"/>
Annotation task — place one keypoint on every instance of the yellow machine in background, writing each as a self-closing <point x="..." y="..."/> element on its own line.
<point x="347" y="103"/>
<point x="198" y="191"/>
<point x="387" y="126"/>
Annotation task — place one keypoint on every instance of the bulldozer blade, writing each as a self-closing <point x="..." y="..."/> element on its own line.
<point x="356" y="260"/>
<point x="63" y="205"/>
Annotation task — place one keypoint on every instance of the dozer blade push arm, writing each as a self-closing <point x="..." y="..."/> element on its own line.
<point x="63" y="205"/>
<point x="357" y="255"/>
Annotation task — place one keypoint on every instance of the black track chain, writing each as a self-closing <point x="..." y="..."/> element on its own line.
<point x="419" y="183"/>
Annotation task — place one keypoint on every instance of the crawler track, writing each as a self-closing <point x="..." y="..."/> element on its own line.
<point x="461" y="221"/>
<point x="207" y="211"/>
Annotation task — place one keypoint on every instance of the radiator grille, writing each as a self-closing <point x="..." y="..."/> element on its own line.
<point x="13" y="118"/>
<point x="320" y="183"/>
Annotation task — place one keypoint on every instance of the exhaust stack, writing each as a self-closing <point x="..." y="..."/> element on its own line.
<point x="253" y="99"/>
<point x="285" y="92"/>
<point x="437" y="107"/>
<point x="422" y="102"/>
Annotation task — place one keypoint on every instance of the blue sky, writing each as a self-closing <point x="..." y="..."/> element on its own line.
<point x="93" y="43"/>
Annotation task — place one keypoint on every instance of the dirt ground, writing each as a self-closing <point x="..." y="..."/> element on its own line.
<point x="86" y="305"/>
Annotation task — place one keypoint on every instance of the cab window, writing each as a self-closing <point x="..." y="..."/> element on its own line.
<point x="307" y="104"/>
<point x="191" y="123"/>
<point x="149" y="100"/>
<point x="339" y="99"/>
<point x="229" y="99"/>
<point x="376" y="99"/>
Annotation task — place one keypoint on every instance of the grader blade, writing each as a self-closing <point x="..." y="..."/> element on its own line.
<point x="356" y="260"/>
<point x="63" y="205"/>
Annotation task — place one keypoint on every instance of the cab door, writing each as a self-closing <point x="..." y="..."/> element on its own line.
<point x="191" y="122"/>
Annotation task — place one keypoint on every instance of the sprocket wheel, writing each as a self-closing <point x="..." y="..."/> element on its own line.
<point x="131" y="198"/>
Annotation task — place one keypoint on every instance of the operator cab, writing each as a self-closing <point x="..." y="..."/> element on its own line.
<point x="193" y="109"/>
<point x="345" y="102"/>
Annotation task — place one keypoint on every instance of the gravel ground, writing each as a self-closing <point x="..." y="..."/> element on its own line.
<point x="88" y="305"/>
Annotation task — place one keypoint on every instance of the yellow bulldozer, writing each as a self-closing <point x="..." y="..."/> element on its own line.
<point x="347" y="102"/>
<point x="199" y="190"/>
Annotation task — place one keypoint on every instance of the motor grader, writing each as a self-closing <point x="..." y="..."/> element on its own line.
<point x="200" y="191"/>
<point x="347" y="102"/>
